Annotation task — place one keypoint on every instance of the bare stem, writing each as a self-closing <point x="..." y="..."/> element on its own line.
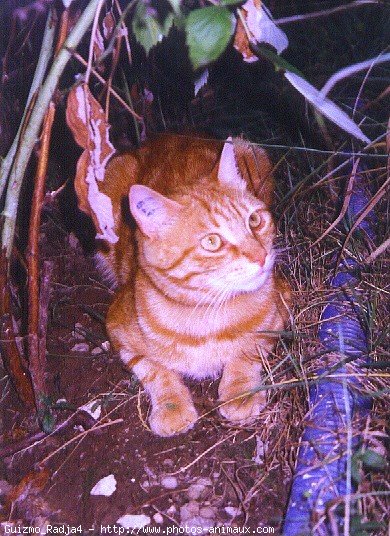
<point x="43" y="61"/>
<point x="37" y="368"/>
<point x="31" y="132"/>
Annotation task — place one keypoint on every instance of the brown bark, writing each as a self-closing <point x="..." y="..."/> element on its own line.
<point x="12" y="359"/>
<point x="35" y="354"/>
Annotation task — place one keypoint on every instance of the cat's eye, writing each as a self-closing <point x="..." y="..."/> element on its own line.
<point x="255" y="220"/>
<point x="211" y="242"/>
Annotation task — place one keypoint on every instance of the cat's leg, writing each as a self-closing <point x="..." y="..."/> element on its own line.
<point x="237" y="390"/>
<point x="173" y="411"/>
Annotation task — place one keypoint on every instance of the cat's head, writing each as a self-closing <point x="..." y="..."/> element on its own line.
<point x="212" y="239"/>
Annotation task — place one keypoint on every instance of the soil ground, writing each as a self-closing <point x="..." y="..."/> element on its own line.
<point x="214" y="475"/>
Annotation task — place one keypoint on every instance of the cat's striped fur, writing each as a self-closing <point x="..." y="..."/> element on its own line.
<point x="196" y="280"/>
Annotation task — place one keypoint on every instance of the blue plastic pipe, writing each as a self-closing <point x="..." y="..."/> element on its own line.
<point x="320" y="474"/>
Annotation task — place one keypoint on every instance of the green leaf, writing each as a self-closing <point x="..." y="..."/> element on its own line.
<point x="373" y="460"/>
<point x="355" y="470"/>
<point x="48" y="422"/>
<point x="231" y="2"/>
<point x="147" y="29"/>
<point x="208" y="32"/>
<point x="280" y="63"/>
<point x="175" y="4"/>
<point x="167" y="24"/>
<point x="358" y="527"/>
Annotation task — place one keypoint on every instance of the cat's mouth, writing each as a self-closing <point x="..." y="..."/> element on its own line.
<point x="250" y="277"/>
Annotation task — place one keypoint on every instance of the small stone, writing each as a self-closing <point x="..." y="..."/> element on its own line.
<point x="106" y="346"/>
<point x="78" y="332"/>
<point x="195" y="523"/>
<point x="96" y="351"/>
<point x="207" y="512"/>
<point x="158" y="518"/>
<point x="195" y="491"/>
<point x="169" y="482"/>
<point x="94" y="408"/>
<point x="199" y="488"/>
<point x="171" y="510"/>
<point x="232" y="511"/>
<point x="133" y="521"/>
<point x="80" y="347"/>
<point x="73" y="240"/>
<point x="189" y="510"/>
<point x="106" y="486"/>
<point x="204" y="481"/>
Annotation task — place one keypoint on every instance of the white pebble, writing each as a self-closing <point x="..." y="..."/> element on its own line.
<point x="80" y="347"/>
<point x="232" y="511"/>
<point x="169" y="482"/>
<point x="158" y="518"/>
<point x="96" y="411"/>
<point x="171" y="510"/>
<point x="106" y="486"/>
<point x="133" y="521"/>
<point x="106" y="346"/>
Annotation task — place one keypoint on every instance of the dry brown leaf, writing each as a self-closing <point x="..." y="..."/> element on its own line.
<point x="98" y="48"/>
<point x="241" y="42"/>
<point x="261" y="28"/>
<point x="31" y="484"/>
<point x="86" y="120"/>
<point x="108" y="25"/>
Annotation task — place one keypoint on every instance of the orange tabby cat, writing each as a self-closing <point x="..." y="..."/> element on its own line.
<point x="197" y="295"/>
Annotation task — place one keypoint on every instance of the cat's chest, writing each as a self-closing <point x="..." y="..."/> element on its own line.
<point x="205" y="359"/>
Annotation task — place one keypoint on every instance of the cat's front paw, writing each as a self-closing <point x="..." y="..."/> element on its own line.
<point x="172" y="418"/>
<point x="243" y="409"/>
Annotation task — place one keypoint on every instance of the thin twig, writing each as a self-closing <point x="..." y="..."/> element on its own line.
<point x="186" y="467"/>
<point x="114" y="93"/>
<point x="325" y="12"/>
<point x="366" y="210"/>
<point x="115" y="60"/>
<point x="352" y="69"/>
<point x="76" y="438"/>
<point x="92" y="42"/>
<point x="125" y="33"/>
<point x="344" y="208"/>
<point x="378" y="251"/>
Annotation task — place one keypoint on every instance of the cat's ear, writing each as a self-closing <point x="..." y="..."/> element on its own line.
<point x="228" y="172"/>
<point x="151" y="210"/>
<point x="256" y="169"/>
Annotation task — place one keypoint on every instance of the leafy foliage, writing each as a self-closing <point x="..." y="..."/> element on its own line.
<point x="368" y="458"/>
<point x="208" y="32"/>
<point x="147" y="29"/>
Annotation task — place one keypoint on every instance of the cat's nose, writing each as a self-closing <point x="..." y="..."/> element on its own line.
<point x="257" y="254"/>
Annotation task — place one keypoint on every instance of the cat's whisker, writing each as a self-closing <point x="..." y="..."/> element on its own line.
<point x="221" y="302"/>
<point x="217" y="305"/>
<point x="210" y="293"/>
<point x="211" y="307"/>
<point x="203" y="299"/>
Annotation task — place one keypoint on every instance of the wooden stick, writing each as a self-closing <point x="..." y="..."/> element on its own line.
<point x="37" y="368"/>
<point x="12" y="359"/>
<point x="27" y="143"/>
